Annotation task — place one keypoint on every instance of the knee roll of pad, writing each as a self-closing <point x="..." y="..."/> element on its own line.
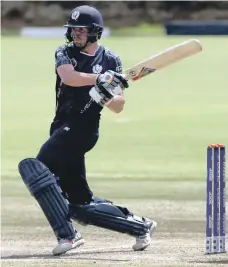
<point x="35" y="175"/>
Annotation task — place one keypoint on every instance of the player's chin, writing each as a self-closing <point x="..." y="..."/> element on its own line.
<point x="79" y="43"/>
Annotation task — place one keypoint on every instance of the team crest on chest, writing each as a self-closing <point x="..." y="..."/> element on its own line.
<point x="97" y="68"/>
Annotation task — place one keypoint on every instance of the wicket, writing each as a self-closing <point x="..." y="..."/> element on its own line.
<point x="216" y="199"/>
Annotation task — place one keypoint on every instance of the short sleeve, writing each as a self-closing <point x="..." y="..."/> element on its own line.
<point x="61" y="57"/>
<point x="115" y="63"/>
<point x="118" y="65"/>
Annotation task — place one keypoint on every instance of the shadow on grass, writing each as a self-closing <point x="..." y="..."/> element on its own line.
<point x="71" y="256"/>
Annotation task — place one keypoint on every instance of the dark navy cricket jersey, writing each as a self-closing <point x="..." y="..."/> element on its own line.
<point x="75" y="103"/>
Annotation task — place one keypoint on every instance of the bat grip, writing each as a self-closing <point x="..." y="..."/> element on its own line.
<point x="124" y="76"/>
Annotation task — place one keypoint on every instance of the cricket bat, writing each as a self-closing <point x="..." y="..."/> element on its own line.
<point x="156" y="62"/>
<point x="163" y="59"/>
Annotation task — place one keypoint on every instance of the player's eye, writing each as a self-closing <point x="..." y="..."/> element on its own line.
<point x="82" y="30"/>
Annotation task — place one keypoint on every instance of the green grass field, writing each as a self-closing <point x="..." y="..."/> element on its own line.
<point x="151" y="157"/>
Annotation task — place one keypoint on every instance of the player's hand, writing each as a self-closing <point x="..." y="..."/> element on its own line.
<point x="101" y="95"/>
<point x="110" y="80"/>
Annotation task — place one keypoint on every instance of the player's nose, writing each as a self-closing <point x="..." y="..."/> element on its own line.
<point x="76" y="31"/>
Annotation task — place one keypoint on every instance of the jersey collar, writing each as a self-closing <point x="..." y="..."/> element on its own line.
<point x="89" y="55"/>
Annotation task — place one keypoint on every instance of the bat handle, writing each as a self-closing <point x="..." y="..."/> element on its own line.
<point x="125" y="76"/>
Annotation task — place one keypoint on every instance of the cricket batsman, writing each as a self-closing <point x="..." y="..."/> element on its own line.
<point x="56" y="177"/>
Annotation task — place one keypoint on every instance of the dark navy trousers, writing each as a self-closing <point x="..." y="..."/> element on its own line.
<point x="64" y="154"/>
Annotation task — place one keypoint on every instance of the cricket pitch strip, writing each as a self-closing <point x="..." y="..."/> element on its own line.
<point x="178" y="241"/>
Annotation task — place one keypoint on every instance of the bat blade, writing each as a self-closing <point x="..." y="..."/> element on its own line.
<point x="163" y="59"/>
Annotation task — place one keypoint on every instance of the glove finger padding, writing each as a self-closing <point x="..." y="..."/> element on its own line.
<point x="111" y="79"/>
<point x="101" y="95"/>
<point x="114" y="84"/>
<point x="105" y="79"/>
<point x="123" y="81"/>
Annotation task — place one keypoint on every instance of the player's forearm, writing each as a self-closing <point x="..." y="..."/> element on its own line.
<point x="78" y="79"/>
<point x="116" y="104"/>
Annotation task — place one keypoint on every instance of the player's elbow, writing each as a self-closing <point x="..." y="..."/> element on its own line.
<point x="120" y="107"/>
<point x="117" y="110"/>
<point x="67" y="79"/>
<point x="66" y="73"/>
<point x="117" y="104"/>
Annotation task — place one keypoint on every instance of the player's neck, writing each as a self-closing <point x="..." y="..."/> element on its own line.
<point x="91" y="49"/>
